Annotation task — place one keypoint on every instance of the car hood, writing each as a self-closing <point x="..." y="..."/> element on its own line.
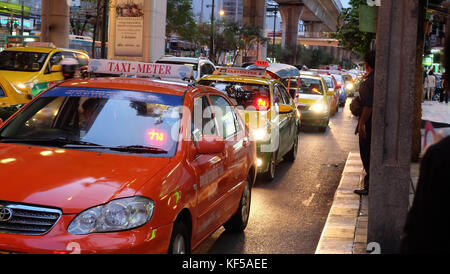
<point x="16" y="77"/>
<point x="72" y="180"/>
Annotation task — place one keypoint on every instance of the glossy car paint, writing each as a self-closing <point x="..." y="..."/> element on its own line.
<point x="182" y="187"/>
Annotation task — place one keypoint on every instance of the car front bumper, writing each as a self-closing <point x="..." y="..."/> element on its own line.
<point x="145" y="239"/>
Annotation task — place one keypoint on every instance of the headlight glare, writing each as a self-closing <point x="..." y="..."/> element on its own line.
<point x="117" y="215"/>
<point x="259" y="134"/>
<point x="319" y="107"/>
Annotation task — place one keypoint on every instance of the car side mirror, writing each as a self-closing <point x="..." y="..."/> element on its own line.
<point x="56" y="68"/>
<point x="285" y="108"/>
<point x="210" y="145"/>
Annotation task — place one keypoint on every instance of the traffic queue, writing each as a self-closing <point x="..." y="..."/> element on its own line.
<point x="143" y="157"/>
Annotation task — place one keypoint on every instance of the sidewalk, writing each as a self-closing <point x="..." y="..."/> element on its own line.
<point x="345" y="231"/>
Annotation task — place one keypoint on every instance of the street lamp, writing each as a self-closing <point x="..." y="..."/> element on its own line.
<point x="274" y="9"/>
<point x="211" y="42"/>
<point x="222" y="13"/>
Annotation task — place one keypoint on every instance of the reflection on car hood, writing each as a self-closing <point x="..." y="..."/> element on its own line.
<point x="16" y="77"/>
<point x="72" y="180"/>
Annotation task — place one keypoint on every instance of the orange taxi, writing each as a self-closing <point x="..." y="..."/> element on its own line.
<point x="123" y="165"/>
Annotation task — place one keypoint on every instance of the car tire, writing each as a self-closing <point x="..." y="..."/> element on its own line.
<point x="179" y="241"/>
<point x="238" y="222"/>
<point x="269" y="175"/>
<point x="292" y="154"/>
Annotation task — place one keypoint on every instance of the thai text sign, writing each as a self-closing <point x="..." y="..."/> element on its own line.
<point x="129" y="28"/>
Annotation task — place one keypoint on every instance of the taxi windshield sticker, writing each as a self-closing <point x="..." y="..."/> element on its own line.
<point x="157" y="98"/>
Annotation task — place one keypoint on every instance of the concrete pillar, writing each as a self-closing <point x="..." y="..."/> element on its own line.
<point x="290" y="15"/>
<point x="149" y="32"/>
<point x="392" y="122"/>
<point x="254" y="14"/>
<point x="55" y="22"/>
<point x="316" y="28"/>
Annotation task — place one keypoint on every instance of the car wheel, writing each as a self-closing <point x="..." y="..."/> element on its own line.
<point x="292" y="154"/>
<point x="238" y="222"/>
<point x="179" y="241"/>
<point x="269" y="175"/>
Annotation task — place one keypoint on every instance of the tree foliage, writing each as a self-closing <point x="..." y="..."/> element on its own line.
<point x="348" y="33"/>
<point x="180" y="19"/>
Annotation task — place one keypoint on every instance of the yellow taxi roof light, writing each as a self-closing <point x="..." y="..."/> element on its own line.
<point x="242" y="72"/>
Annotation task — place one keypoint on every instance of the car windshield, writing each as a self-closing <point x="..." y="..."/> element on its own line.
<point x="311" y="86"/>
<point x="244" y="95"/>
<point x="111" y="120"/>
<point x="22" y="61"/>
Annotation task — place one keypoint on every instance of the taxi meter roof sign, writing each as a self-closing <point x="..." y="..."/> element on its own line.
<point x="242" y="72"/>
<point x="140" y="69"/>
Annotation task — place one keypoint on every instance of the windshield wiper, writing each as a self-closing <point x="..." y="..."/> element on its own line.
<point x="59" y="141"/>
<point x="69" y="143"/>
<point x="139" y="149"/>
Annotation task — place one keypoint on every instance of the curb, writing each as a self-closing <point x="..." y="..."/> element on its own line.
<point x="340" y="230"/>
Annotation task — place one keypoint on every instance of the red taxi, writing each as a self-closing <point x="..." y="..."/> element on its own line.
<point x="123" y="165"/>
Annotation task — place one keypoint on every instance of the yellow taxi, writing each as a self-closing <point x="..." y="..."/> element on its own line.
<point x="267" y="108"/>
<point x="314" y="101"/>
<point x="10" y="98"/>
<point x="34" y="68"/>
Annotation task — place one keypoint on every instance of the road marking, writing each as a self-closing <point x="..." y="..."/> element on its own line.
<point x="307" y="202"/>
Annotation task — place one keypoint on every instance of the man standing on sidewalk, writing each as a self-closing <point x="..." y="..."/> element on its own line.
<point x="364" y="128"/>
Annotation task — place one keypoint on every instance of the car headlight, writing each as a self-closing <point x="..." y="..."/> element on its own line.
<point x="117" y="215"/>
<point x="350" y="86"/>
<point x="319" y="107"/>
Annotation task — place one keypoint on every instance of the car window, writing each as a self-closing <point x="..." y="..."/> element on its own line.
<point x="82" y="59"/>
<point x="245" y="95"/>
<point x="22" y="61"/>
<point x="286" y="96"/>
<point x="225" y="116"/>
<point x="202" y="119"/>
<point x="206" y="69"/>
<point x="311" y="86"/>
<point x="277" y="97"/>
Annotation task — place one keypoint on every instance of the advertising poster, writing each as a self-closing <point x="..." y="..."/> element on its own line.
<point x="129" y="28"/>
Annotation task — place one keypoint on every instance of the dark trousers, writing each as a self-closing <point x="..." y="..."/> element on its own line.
<point x="364" y="150"/>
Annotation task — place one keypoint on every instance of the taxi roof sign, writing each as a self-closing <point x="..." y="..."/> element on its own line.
<point x="241" y="72"/>
<point x="140" y="69"/>
<point x="41" y="44"/>
<point x="261" y="63"/>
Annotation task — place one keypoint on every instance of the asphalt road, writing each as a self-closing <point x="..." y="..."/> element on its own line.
<point x="287" y="215"/>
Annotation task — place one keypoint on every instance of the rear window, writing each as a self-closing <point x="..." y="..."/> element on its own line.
<point x="311" y="86"/>
<point x="243" y="94"/>
<point x="2" y="93"/>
